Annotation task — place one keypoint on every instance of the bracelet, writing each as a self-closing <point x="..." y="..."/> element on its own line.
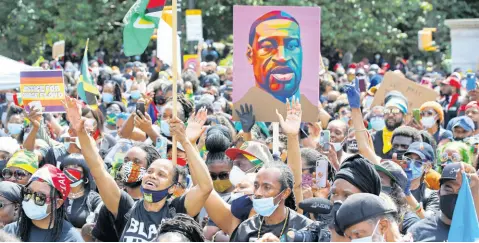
<point x="418" y="208"/>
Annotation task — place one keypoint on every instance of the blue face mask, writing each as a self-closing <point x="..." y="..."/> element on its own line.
<point x="154" y="196"/>
<point x="377" y="123"/>
<point x="14" y="128"/>
<point x="416" y="171"/>
<point x="135" y="94"/>
<point x="241" y="206"/>
<point x="346" y="119"/>
<point x="165" y="128"/>
<point x="34" y="211"/>
<point x="107" y="97"/>
<point x="265" y="206"/>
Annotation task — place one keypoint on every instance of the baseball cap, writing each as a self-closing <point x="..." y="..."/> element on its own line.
<point x="255" y="152"/>
<point x="452" y="81"/>
<point x="129" y="65"/>
<point x="423" y="150"/>
<point x="393" y="171"/>
<point x="360" y="207"/>
<point x="450" y="172"/>
<point x="465" y="122"/>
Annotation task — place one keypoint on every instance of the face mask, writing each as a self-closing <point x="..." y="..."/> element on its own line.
<point x="74" y="176"/>
<point x="154" y="196"/>
<point x="132" y="172"/>
<point x="241" y="207"/>
<point x="237" y="175"/>
<point x="428" y="122"/>
<point x="14" y="128"/>
<point x="222" y="185"/>
<point x="377" y="123"/>
<point x="352" y="146"/>
<point x="345" y="119"/>
<point x="160" y="100"/>
<point x="165" y="128"/>
<point x="377" y="57"/>
<point x="111" y="119"/>
<point x="265" y="206"/>
<point x="337" y="146"/>
<point x="67" y="145"/>
<point x="9" y="97"/>
<point x="399" y="153"/>
<point x="416" y="172"/>
<point x="307" y="179"/>
<point x="386" y="189"/>
<point x="455" y="139"/>
<point x="107" y="97"/>
<point x="447" y="203"/>
<point x="370" y="238"/>
<point x="34" y="211"/>
<point x="135" y="94"/>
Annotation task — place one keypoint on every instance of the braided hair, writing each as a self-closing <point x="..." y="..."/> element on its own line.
<point x="182" y="226"/>
<point x="286" y="179"/>
<point x="218" y="140"/>
<point x="56" y="219"/>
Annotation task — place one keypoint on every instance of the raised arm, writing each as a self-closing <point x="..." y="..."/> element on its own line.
<point x="196" y="196"/>
<point x="109" y="190"/>
<point x="362" y="135"/>
<point x="220" y="212"/>
<point x="35" y="117"/>
<point x="247" y="119"/>
<point x="291" y="127"/>
<point x="324" y="116"/>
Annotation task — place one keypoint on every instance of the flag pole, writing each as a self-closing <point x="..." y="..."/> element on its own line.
<point x="174" y="28"/>
<point x="86" y="46"/>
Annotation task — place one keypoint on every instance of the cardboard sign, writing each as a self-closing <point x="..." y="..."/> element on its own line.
<point x="194" y="25"/>
<point x="58" y="49"/>
<point x="45" y="88"/>
<point x="191" y="62"/>
<point x="416" y="94"/>
<point x="276" y="57"/>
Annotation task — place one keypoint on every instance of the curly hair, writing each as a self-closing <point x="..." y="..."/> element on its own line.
<point x="186" y="106"/>
<point x="183" y="227"/>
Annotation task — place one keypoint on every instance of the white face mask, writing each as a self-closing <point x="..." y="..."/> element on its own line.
<point x="428" y="122"/>
<point x="372" y="238"/>
<point x="337" y="146"/>
<point x="237" y="175"/>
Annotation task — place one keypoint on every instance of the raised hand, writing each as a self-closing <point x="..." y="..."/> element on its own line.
<point x="196" y="124"/>
<point x="354" y="95"/>
<point x="35" y="116"/>
<point x="247" y="117"/>
<point x="73" y="109"/>
<point x="177" y="129"/>
<point x="143" y="122"/>
<point x="292" y="123"/>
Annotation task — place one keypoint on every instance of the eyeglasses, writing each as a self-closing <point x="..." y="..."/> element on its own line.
<point x="38" y="198"/>
<point x="411" y="161"/>
<point x="18" y="174"/>
<point x="221" y="176"/>
<point x="454" y="157"/>
<point x="428" y="113"/>
<point x="393" y="111"/>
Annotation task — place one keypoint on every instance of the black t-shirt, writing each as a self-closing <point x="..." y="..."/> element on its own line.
<point x="107" y="228"/>
<point x="143" y="226"/>
<point x="79" y="209"/>
<point x="248" y="230"/>
<point x="430" y="230"/>
<point x="69" y="233"/>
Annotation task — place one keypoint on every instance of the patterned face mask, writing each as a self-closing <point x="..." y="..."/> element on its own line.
<point x="132" y="172"/>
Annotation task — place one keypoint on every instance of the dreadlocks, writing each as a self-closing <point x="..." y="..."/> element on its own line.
<point x="286" y="179"/>
<point x="56" y="219"/>
<point x="181" y="227"/>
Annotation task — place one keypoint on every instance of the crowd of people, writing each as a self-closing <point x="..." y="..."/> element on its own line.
<point x="107" y="174"/>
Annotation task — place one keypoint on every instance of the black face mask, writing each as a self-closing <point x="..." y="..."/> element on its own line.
<point x="447" y="203"/>
<point x="399" y="153"/>
<point x="160" y="100"/>
<point x="352" y="146"/>
<point x="458" y="139"/>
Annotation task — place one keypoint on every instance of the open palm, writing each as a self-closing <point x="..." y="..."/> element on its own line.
<point x="73" y="109"/>
<point x="196" y="124"/>
<point x="292" y="123"/>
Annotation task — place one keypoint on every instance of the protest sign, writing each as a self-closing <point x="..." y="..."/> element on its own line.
<point x="46" y="87"/>
<point x="58" y="49"/>
<point x="194" y="25"/>
<point x="416" y="94"/>
<point x="273" y="46"/>
<point x="191" y="62"/>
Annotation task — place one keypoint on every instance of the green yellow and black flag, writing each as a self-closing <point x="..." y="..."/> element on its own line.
<point x="87" y="89"/>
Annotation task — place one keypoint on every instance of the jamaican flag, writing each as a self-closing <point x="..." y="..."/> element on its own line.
<point x="86" y="88"/>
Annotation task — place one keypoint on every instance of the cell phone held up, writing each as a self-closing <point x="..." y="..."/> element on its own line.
<point x="417" y="115"/>
<point x="362" y="84"/>
<point x="321" y="173"/>
<point x="140" y="108"/>
<point x="324" y="139"/>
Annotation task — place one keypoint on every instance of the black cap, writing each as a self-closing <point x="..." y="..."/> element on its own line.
<point x="450" y="172"/>
<point x="360" y="207"/>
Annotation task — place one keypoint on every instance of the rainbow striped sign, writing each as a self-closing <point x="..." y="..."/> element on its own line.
<point x="46" y="87"/>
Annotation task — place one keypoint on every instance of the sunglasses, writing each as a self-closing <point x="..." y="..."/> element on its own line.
<point x="455" y="157"/>
<point x="221" y="176"/>
<point x="18" y="174"/>
<point x="393" y="111"/>
<point x="416" y="163"/>
<point x="428" y="113"/>
<point x="38" y="198"/>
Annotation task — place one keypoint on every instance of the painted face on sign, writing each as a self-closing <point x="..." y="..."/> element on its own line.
<point x="276" y="54"/>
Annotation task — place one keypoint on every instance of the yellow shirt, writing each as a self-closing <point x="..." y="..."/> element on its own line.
<point x="387" y="136"/>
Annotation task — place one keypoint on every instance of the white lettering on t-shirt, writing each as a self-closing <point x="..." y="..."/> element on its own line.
<point x="152" y="231"/>
<point x="133" y="226"/>
<point x="136" y="231"/>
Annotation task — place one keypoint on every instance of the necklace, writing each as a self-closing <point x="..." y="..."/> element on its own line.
<point x="282" y="230"/>
<point x="76" y="195"/>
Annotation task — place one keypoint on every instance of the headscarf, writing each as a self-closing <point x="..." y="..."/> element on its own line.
<point x="11" y="191"/>
<point x="358" y="171"/>
<point x="53" y="177"/>
<point x="25" y="160"/>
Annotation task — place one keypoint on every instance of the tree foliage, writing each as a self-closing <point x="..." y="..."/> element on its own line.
<point x="29" y="27"/>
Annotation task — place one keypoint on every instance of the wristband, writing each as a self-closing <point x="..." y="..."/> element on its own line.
<point x="418" y="207"/>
